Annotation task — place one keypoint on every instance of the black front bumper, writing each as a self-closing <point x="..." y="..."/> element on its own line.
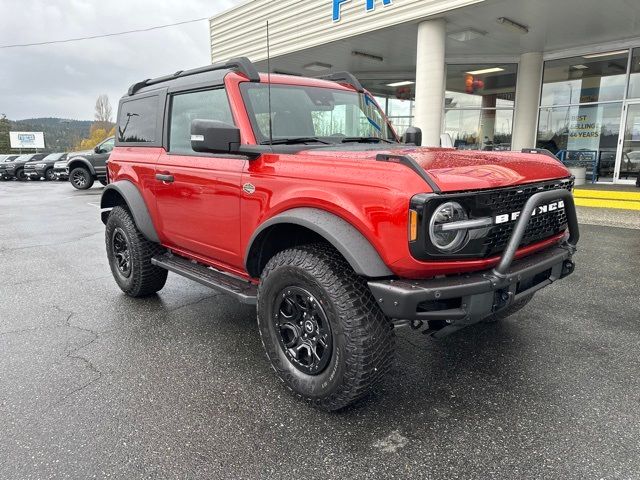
<point x="463" y="300"/>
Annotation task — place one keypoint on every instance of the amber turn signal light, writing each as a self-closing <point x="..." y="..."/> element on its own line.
<point x="413" y="225"/>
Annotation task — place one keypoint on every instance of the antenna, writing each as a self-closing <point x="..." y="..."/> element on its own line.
<point x="269" y="87"/>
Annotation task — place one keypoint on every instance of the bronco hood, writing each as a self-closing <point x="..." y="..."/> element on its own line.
<point x="460" y="170"/>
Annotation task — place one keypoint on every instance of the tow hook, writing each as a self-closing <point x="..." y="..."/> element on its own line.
<point x="567" y="268"/>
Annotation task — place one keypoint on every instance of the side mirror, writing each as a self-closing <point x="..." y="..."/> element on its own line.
<point x="97" y="149"/>
<point x="212" y="136"/>
<point x="413" y="136"/>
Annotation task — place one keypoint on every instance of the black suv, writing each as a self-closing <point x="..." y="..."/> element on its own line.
<point x="15" y="168"/>
<point x="86" y="167"/>
<point x="4" y="160"/>
<point x="36" y="169"/>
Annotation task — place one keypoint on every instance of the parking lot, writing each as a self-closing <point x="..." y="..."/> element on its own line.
<point x="94" y="384"/>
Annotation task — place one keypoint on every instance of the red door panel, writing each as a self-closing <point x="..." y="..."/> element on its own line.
<point x="199" y="211"/>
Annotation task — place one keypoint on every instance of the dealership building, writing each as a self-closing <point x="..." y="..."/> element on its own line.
<point x="493" y="74"/>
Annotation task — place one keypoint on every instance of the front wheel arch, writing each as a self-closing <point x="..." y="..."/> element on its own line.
<point x="317" y="225"/>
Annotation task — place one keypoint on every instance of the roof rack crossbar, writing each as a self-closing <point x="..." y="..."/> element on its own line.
<point x="344" y="77"/>
<point x="241" y="65"/>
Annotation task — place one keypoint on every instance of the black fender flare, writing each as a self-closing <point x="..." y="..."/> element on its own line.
<point x="352" y="245"/>
<point x="84" y="161"/>
<point x="133" y="198"/>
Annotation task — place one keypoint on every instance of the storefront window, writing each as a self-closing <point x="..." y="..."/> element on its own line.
<point x="584" y="133"/>
<point x="479" y="104"/>
<point x="591" y="78"/>
<point x="634" y="79"/>
<point x="400" y="113"/>
<point x="480" y="129"/>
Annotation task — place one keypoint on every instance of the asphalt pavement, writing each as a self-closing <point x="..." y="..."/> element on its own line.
<point x="94" y="384"/>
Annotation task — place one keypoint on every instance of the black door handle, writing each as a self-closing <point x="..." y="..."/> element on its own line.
<point x="164" y="177"/>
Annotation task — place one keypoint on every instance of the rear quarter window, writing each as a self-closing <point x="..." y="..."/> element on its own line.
<point x="137" y="120"/>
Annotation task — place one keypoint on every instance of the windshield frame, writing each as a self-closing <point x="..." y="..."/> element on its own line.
<point x="332" y="141"/>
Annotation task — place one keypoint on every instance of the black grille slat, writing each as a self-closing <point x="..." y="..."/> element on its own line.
<point x="507" y="201"/>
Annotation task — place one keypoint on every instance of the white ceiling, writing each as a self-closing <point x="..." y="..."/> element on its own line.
<point x="553" y="25"/>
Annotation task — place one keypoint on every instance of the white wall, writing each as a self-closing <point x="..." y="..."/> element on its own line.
<point x="300" y="24"/>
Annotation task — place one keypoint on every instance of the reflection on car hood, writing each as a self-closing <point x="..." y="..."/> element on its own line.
<point x="79" y="153"/>
<point x="462" y="170"/>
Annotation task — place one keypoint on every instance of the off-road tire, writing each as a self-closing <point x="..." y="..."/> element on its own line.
<point x="507" y="312"/>
<point x="20" y="176"/>
<point x="363" y="338"/>
<point x="81" y="178"/>
<point x="144" y="279"/>
<point x="49" y="175"/>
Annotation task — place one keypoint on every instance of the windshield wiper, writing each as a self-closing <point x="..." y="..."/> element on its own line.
<point x="294" y="141"/>
<point x="365" y="140"/>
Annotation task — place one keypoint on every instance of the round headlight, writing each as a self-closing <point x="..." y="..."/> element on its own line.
<point x="443" y="238"/>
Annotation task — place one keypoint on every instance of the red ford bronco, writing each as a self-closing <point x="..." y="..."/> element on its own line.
<point x="297" y="196"/>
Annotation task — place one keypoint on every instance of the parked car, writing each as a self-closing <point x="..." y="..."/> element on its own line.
<point x="298" y="197"/>
<point x="4" y="160"/>
<point x="37" y="169"/>
<point x="84" y="168"/>
<point x="60" y="169"/>
<point x="15" y="168"/>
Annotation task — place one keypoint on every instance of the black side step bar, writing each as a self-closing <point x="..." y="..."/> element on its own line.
<point x="245" y="292"/>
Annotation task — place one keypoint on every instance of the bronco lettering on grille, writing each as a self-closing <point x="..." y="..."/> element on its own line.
<point x="540" y="210"/>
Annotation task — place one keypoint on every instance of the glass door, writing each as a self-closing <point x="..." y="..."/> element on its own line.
<point x="628" y="164"/>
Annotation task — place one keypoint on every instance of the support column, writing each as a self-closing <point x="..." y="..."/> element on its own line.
<point x="430" y="78"/>
<point x="528" y="89"/>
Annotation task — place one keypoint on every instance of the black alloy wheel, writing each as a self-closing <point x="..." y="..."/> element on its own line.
<point x="20" y="175"/>
<point x="305" y="334"/>
<point x="121" y="252"/>
<point x="49" y="175"/>
<point x="81" y="178"/>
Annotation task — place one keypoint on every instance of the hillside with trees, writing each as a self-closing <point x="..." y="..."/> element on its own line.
<point x="61" y="134"/>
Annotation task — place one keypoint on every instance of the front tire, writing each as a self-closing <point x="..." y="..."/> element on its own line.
<point x="81" y="178"/>
<point x="129" y="254"/>
<point x="49" y="175"/>
<point x="321" y="328"/>
<point x="20" y="176"/>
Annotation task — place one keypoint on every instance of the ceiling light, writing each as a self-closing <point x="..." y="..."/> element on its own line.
<point x="579" y="67"/>
<point x="318" y="67"/>
<point x="486" y="70"/>
<point x="605" y="54"/>
<point x="400" y="84"/>
<point x="518" y="27"/>
<point x="466" y="35"/>
<point x="370" y="56"/>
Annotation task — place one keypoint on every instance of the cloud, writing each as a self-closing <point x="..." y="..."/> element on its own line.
<point x="64" y="80"/>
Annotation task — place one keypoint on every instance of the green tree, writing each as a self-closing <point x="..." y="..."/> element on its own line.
<point x="5" y="128"/>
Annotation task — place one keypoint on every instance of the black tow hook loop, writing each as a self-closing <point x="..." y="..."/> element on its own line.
<point x="568" y="268"/>
<point x="416" y="324"/>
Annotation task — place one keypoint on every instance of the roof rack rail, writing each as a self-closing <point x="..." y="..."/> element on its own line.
<point x="241" y="65"/>
<point x="344" y="77"/>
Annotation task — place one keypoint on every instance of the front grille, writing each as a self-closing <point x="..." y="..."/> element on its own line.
<point x="28" y="168"/>
<point x="507" y="201"/>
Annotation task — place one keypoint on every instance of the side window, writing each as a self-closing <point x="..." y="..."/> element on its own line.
<point x="107" y="145"/>
<point x="203" y="105"/>
<point x="137" y="120"/>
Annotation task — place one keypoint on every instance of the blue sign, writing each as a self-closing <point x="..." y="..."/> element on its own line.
<point x="337" y="7"/>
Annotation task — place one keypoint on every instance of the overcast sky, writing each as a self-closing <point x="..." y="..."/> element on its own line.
<point x="64" y="80"/>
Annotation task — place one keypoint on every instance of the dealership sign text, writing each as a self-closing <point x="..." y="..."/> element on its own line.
<point x="370" y="6"/>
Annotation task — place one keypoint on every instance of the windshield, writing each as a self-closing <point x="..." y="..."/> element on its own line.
<point x="315" y="114"/>
<point x="53" y="156"/>
<point x="23" y="158"/>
